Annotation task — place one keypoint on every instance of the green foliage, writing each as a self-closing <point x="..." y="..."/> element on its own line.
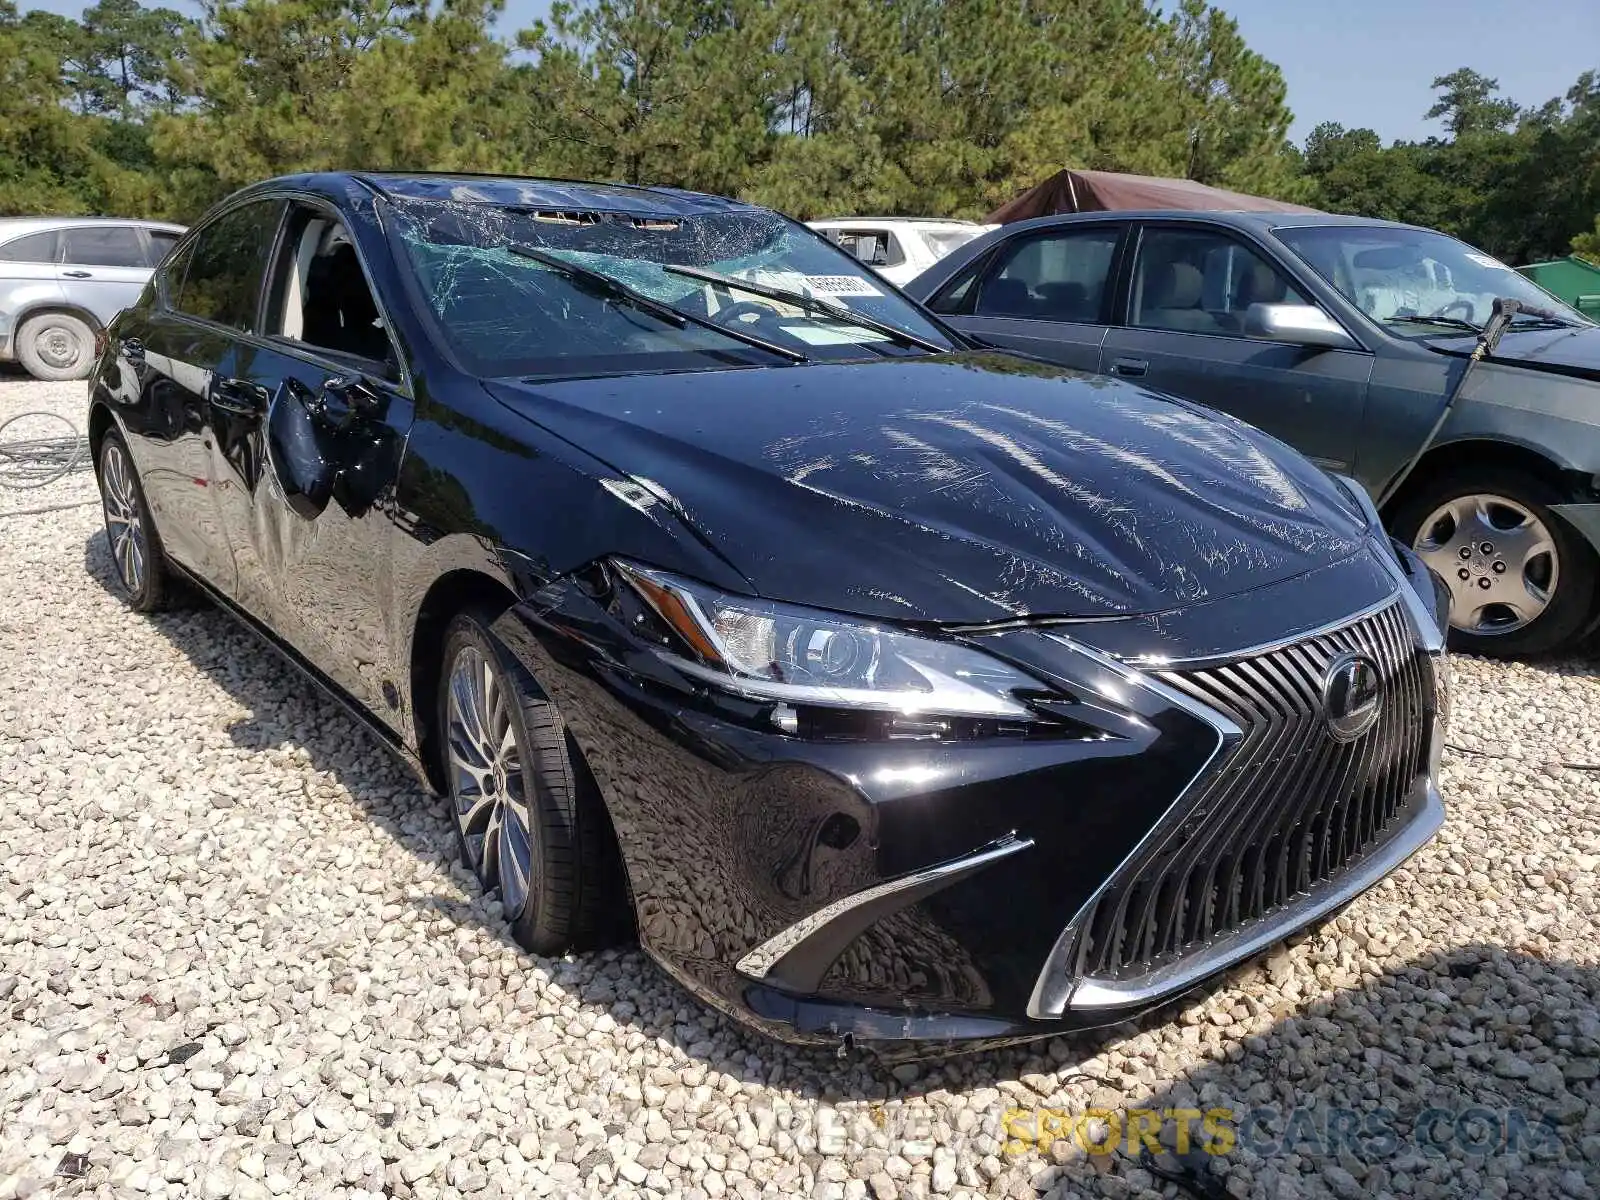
<point x="275" y="86"/>
<point x="917" y="107"/>
<point x="1518" y="183"/>
<point x="1587" y="245"/>
<point x="1468" y="104"/>
<point x="53" y="159"/>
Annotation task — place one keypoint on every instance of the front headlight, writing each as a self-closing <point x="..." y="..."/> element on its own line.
<point x="799" y="656"/>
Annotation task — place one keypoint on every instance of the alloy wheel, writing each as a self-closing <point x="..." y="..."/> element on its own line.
<point x="124" y="526"/>
<point x="487" y="780"/>
<point x="1498" y="558"/>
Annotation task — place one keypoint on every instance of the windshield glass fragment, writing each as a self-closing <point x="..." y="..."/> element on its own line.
<point x="505" y="313"/>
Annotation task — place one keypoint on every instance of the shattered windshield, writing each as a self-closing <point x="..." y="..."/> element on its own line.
<point x="1398" y="276"/>
<point x="507" y="313"/>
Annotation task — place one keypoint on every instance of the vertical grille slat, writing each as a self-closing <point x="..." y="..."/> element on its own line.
<point x="1290" y="807"/>
<point x="1264" y="826"/>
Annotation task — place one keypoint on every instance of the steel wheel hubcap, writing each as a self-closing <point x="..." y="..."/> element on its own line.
<point x="487" y="781"/>
<point x="124" y="529"/>
<point x="1498" y="558"/>
<point x="57" y="346"/>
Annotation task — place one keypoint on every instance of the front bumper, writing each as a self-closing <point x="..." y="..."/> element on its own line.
<point x="933" y="891"/>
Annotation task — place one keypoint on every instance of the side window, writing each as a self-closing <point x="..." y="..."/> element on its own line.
<point x="161" y="243"/>
<point x="170" y="277"/>
<point x="1056" y="276"/>
<point x="226" y="265"/>
<point x="1200" y="281"/>
<point x="952" y="298"/>
<point x="102" y="246"/>
<point x="30" y="248"/>
<point x="320" y="295"/>
<point x="875" y="247"/>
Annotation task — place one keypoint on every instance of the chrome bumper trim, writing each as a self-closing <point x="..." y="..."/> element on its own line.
<point x="757" y="963"/>
<point x="1089" y="994"/>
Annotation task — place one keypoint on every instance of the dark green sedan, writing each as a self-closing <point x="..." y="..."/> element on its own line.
<point x="1344" y="337"/>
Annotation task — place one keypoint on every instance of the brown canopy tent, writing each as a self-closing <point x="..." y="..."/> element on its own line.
<point x="1107" y="191"/>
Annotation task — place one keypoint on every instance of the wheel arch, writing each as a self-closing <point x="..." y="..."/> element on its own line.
<point x="451" y="593"/>
<point x="1486" y="452"/>
<point x="101" y="422"/>
<point x="40" y="307"/>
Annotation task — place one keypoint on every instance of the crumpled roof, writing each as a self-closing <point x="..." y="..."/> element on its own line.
<point x="1108" y="191"/>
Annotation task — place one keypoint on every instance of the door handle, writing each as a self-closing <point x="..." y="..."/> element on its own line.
<point x="77" y="274"/>
<point x="131" y="348"/>
<point x="240" y="397"/>
<point x="1129" y="368"/>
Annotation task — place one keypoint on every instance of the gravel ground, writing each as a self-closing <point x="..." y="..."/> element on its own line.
<point x="237" y="958"/>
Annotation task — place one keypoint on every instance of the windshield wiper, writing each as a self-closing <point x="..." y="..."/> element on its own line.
<point x="1537" y="322"/>
<point x="1450" y="322"/>
<point x="816" y="304"/>
<point x="603" y="285"/>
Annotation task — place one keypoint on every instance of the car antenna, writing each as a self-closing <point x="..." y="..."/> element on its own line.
<point x="1500" y="316"/>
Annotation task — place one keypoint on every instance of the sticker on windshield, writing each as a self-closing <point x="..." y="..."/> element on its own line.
<point x="1483" y="260"/>
<point x="841" y="285"/>
<point x="822" y="286"/>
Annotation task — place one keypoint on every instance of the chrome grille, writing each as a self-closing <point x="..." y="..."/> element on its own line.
<point x="1289" y="806"/>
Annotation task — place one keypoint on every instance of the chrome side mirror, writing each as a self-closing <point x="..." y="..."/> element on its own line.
<point x="1302" y="324"/>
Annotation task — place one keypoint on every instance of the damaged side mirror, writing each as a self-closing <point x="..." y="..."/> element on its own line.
<point x="300" y="449"/>
<point x="322" y="448"/>
<point x="345" y="399"/>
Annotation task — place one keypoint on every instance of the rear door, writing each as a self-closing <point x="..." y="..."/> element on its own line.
<point x="176" y="352"/>
<point x="27" y="280"/>
<point x="308" y="426"/>
<point x="103" y="268"/>
<point x="1184" y="333"/>
<point x="1042" y="292"/>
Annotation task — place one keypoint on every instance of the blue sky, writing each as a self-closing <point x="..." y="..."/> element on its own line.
<point x="1362" y="62"/>
<point x="1369" y="62"/>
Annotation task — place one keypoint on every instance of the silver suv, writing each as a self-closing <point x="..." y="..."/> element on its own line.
<point x="62" y="279"/>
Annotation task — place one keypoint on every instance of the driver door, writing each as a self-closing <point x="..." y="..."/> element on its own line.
<point x="308" y="430"/>
<point x="1190" y="290"/>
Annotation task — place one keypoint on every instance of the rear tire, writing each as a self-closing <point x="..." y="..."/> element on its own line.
<point x="1507" y="510"/>
<point x="136" y="552"/>
<point x="55" y="346"/>
<point x="529" y="819"/>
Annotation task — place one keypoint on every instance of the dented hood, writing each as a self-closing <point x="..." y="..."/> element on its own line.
<point x="958" y="488"/>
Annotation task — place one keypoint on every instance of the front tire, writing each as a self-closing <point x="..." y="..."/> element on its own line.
<point x="56" y="346"/>
<point x="136" y="552"/>
<point x="1522" y="581"/>
<point x="529" y="820"/>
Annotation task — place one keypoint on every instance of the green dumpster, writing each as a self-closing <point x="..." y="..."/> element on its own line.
<point x="1572" y="279"/>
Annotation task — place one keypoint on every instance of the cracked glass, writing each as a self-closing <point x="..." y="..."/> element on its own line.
<point x="505" y="314"/>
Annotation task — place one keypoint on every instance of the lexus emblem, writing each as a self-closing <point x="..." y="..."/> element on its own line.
<point x="1352" y="696"/>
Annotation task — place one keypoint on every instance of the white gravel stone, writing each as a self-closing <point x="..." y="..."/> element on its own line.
<point x="300" y="993"/>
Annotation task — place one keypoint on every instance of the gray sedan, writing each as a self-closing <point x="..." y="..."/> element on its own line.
<point x="62" y="279"/>
<point x="1344" y="337"/>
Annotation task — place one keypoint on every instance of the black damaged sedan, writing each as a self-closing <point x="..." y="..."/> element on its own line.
<point x="891" y="690"/>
